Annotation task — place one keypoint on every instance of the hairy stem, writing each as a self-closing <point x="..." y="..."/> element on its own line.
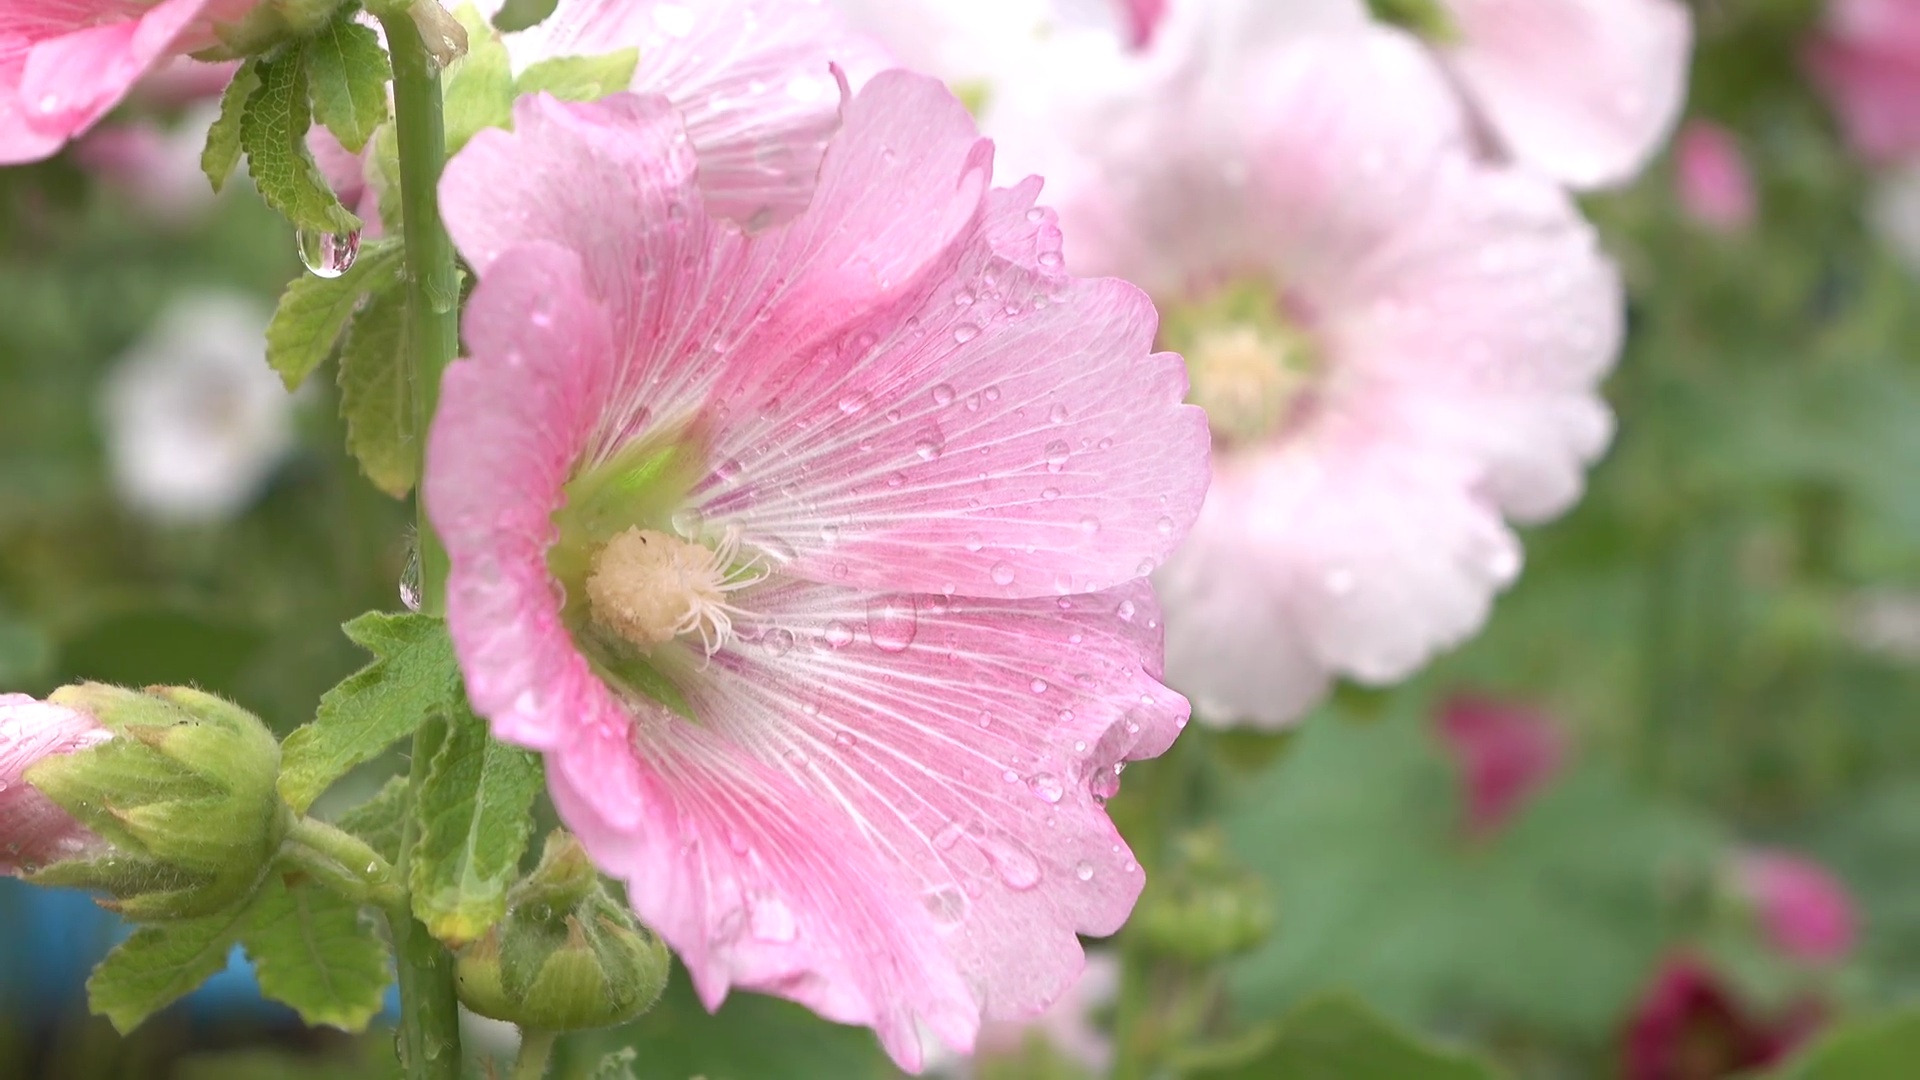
<point x="429" y="1012"/>
<point x="535" y="1048"/>
<point x="344" y="863"/>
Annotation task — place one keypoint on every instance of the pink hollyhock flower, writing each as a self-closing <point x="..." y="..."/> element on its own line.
<point x="1868" y="61"/>
<point x="34" y="830"/>
<point x="1806" y="912"/>
<point x="1397" y="345"/>
<point x="1582" y="90"/>
<point x="814" y="561"/>
<point x="752" y="79"/>
<point x="1505" y="753"/>
<point x="65" y="63"/>
<point x="1688" y="1027"/>
<point x="1712" y="178"/>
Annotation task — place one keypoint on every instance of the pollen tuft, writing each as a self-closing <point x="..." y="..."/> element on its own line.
<point x="650" y="588"/>
<point x="1247" y="379"/>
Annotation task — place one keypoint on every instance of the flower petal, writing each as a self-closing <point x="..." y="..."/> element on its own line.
<point x="34" y="830"/>
<point x="68" y="80"/>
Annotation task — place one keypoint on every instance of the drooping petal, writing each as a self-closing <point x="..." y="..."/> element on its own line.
<point x="1584" y="91"/>
<point x="34" y="830"/>
<point x="752" y="79"/>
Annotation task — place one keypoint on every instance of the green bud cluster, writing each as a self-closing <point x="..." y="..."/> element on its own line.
<point x="1205" y="907"/>
<point x="183" y="794"/>
<point x="567" y="956"/>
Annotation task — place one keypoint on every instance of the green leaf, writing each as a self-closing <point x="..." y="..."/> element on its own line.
<point x="314" y="311"/>
<point x="222" y="151"/>
<point x="376" y="393"/>
<point x="479" y="85"/>
<point x="1337" y="1036"/>
<point x="580" y="78"/>
<point x="520" y="14"/>
<point x="1879" y="1048"/>
<point x="381" y="820"/>
<point x="159" y="964"/>
<point x="474" y="812"/>
<point x="413" y="675"/>
<point x="313" y="950"/>
<point x="273" y="132"/>
<point x="350" y="73"/>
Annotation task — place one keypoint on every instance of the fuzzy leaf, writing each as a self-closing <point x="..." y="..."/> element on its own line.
<point x="350" y="73"/>
<point x="580" y="78"/>
<point x="479" y="85"/>
<point x="314" y="310"/>
<point x="315" y="952"/>
<point x="222" y="151"/>
<point x="380" y="820"/>
<point x="1883" y="1047"/>
<point x="273" y="132"/>
<point x="1337" y="1036"/>
<point x="376" y="393"/>
<point x="474" y="825"/>
<point x="159" y="964"/>
<point x="412" y="676"/>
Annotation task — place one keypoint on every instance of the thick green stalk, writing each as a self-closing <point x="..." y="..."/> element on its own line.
<point x="433" y="282"/>
<point x="429" y="1012"/>
<point x="536" y="1047"/>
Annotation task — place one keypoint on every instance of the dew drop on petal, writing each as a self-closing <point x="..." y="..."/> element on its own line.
<point x="1038" y="686"/>
<point x="1083" y="871"/>
<point x="943" y="395"/>
<point x="965" y="332"/>
<point x="1057" y="414"/>
<point x="844" y="740"/>
<point x="777" y="641"/>
<point x="948" y="835"/>
<point x="1016" y="868"/>
<point x="1047" y="786"/>
<point x="326" y="254"/>
<point x="1125" y="610"/>
<point x="946" y="904"/>
<point x="837" y="634"/>
<point x="1002" y="573"/>
<point x="892" y="622"/>
<point x="689" y="523"/>
<point x="1164" y="526"/>
<point x="1057" y="452"/>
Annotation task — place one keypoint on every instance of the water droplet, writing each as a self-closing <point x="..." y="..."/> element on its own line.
<point x="829" y="534"/>
<point x="1057" y="414"/>
<point x="1089" y="525"/>
<point x="410" y="580"/>
<point x="845" y="740"/>
<point x="1002" y="573"/>
<point x="689" y="523"/>
<point x="946" y="904"/>
<point x="837" y="634"/>
<point x="327" y="255"/>
<point x="777" y="641"/>
<point x="1164" y="526"/>
<point x="1038" y="686"/>
<point x="1050" y="494"/>
<point x="891" y="622"/>
<point x="948" y="835"/>
<point x="1016" y="868"/>
<point x="855" y="402"/>
<point x="1050" y="259"/>
<point x="1125" y="611"/>
<point x="1084" y="870"/>
<point x="729" y="470"/>
<point x="1057" y="452"/>
<point x="974" y="543"/>
<point x="1036" y="215"/>
<point x="1047" y="786"/>
<point x="963" y="298"/>
<point x="965" y="332"/>
<point x="943" y="395"/>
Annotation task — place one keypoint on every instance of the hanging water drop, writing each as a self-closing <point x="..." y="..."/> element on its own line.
<point x="326" y="254"/>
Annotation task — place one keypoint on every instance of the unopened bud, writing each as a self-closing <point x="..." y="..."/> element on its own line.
<point x="566" y="957"/>
<point x="183" y="792"/>
<point x="1204" y="907"/>
<point x="268" y="25"/>
<point x="34" y="830"/>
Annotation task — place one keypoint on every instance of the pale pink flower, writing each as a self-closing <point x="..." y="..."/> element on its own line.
<point x="1397" y="342"/>
<point x="1868" y="61"/>
<point x="753" y="80"/>
<point x="157" y="168"/>
<point x="869" y="496"/>
<point x="1505" y="753"/>
<point x="1067" y="1025"/>
<point x="1585" y="91"/>
<point x="1712" y="179"/>
<point x="1806" y="912"/>
<point x="34" y="830"/>
<point x="65" y="63"/>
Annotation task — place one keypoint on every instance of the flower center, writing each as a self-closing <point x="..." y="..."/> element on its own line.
<point x="1246" y="366"/>
<point x="649" y="588"/>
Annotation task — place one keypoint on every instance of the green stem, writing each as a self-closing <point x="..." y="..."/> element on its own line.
<point x="344" y="863"/>
<point x="429" y="1012"/>
<point x="433" y="281"/>
<point x="535" y="1048"/>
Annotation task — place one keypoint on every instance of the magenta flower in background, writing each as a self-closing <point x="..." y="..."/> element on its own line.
<point x="1688" y="1026"/>
<point x="1868" y="62"/>
<point x="34" y="830"/>
<point x="65" y="63"/>
<point x="1397" y="344"/>
<point x="814" y="562"/>
<point x="1712" y="179"/>
<point x="1506" y="753"/>
<point x="1806" y="912"/>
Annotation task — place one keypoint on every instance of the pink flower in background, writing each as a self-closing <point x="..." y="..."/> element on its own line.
<point x="1868" y="62"/>
<point x="34" y="830"/>
<point x="1506" y="753"/>
<point x="1585" y="91"/>
<point x="1806" y="912"/>
<point x="65" y="63"/>
<point x="1397" y="344"/>
<point x="1688" y="1026"/>
<point x="814" y="561"/>
<point x="157" y="168"/>
<point x="1067" y="1026"/>
<point x="1712" y="179"/>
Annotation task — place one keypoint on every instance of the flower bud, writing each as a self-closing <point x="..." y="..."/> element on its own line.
<point x="567" y="957"/>
<point x="34" y="830"/>
<point x="1203" y="907"/>
<point x="183" y="792"/>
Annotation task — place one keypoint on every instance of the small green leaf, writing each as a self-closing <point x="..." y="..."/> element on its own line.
<point x="350" y="73"/>
<point x="376" y="393"/>
<point x="580" y="78"/>
<point x="413" y="675"/>
<point x="380" y="820"/>
<point x="474" y="824"/>
<point x="314" y="951"/>
<point x="1879" y="1048"/>
<point x="161" y="963"/>
<point x="479" y="85"/>
<point x="273" y="132"/>
<point x="314" y="311"/>
<point x="222" y="152"/>
<point x="520" y="14"/>
<point x="1336" y="1036"/>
